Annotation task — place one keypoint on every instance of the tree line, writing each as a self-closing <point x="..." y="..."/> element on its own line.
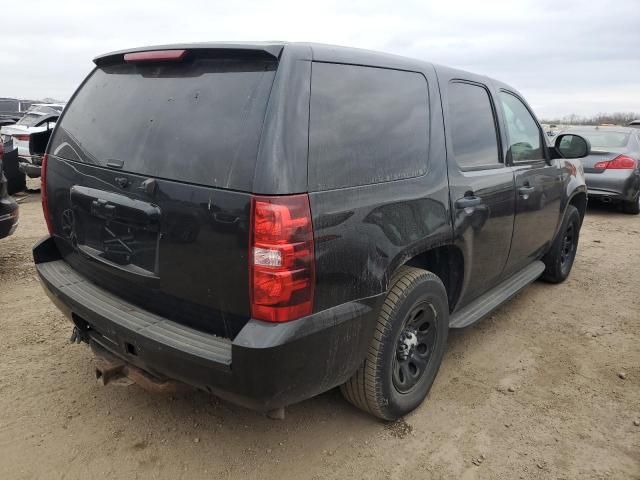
<point x="617" y="118"/>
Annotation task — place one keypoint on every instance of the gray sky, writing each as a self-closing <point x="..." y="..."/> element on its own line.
<point x="565" y="56"/>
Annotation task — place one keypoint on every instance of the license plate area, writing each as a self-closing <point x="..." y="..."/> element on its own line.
<point x="116" y="230"/>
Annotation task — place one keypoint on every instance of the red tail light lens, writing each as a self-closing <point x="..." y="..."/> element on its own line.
<point x="621" y="162"/>
<point x="43" y="194"/>
<point x="1" y="149"/>
<point x="155" y="56"/>
<point x="22" y="138"/>
<point x="282" y="263"/>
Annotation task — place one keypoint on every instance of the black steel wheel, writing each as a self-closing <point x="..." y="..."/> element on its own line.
<point x="406" y="350"/>
<point x="415" y="347"/>
<point x="560" y="257"/>
<point x="568" y="250"/>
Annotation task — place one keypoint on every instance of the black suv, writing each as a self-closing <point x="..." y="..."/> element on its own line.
<point x="268" y="221"/>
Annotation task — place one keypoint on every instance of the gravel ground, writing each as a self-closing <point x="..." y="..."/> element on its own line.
<point x="548" y="386"/>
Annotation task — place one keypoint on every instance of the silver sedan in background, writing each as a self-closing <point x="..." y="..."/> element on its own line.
<point x="612" y="170"/>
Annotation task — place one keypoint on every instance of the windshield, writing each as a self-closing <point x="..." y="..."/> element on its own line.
<point x="606" y="139"/>
<point x="198" y="121"/>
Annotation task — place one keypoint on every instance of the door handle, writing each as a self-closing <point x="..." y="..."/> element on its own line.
<point x="468" y="202"/>
<point x="526" y="191"/>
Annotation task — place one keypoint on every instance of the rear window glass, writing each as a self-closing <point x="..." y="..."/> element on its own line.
<point x="367" y="125"/>
<point x="29" y="119"/>
<point x="606" y="139"/>
<point x="197" y="121"/>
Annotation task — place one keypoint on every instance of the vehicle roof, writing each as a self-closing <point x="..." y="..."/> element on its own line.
<point x="317" y="52"/>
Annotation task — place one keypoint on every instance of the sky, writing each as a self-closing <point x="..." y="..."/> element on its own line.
<point x="564" y="56"/>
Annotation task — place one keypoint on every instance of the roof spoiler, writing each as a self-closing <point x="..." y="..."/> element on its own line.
<point x="271" y="49"/>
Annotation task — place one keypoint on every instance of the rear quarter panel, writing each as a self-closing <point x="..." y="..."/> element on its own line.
<point x="362" y="234"/>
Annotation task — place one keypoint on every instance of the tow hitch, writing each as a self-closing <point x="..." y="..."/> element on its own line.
<point x="113" y="370"/>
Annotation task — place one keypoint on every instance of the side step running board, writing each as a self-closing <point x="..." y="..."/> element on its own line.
<point x="496" y="296"/>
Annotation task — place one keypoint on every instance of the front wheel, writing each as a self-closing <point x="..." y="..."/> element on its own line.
<point x="406" y="350"/>
<point x="559" y="259"/>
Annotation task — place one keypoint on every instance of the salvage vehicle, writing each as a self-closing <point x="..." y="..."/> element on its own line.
<point x="31" y="165"/>
<point x="342" y="210"/>
<point x="37" y="123"/>
<point x="9" y="212"/>
<point x="40" y="117"/>
<point x="612" y="170"/>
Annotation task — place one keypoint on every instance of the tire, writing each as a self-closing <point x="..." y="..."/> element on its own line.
<point x="559" y="259"/>
<point x="413" y="323"/>
<point x="632" y="207"/>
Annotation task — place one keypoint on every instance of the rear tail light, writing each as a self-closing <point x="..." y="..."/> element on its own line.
<point x="155" y="56"/>
<point x="1" y="149"/>
<point x="21" y="137"/>
<point x="621" y="162"/>
<point x="282" y="263"/>
<point x="43" y="194"/>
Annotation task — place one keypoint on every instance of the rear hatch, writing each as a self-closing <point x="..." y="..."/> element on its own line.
<point x="148" y="178"/>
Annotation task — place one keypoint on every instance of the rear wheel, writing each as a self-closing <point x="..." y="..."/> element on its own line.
<point x="632" y="207"/>
<point x="407" y="347"/>
<point x="559" y="259"/>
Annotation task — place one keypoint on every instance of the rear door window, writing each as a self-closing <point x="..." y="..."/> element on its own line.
<point x="196" y="121"/>
<point x="367" y="125"/>
<point x="473" y="127"/>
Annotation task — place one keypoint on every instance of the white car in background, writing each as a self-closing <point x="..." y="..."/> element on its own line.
<point x="40" y="117"/>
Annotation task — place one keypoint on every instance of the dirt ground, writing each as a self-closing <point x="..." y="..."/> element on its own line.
<point x="533" y="391"/>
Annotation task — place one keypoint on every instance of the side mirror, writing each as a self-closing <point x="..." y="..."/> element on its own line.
<point x="569" y="145"/>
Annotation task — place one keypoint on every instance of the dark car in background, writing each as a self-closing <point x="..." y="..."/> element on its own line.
<point x="612" y="170"/>
<point x="268" y="221"/>
<point x="15" y="179"/>
<point x="8" y="207"/>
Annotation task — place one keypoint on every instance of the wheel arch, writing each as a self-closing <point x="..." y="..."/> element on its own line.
<point x="447" y="263"/>
<point x="579" y="200"/>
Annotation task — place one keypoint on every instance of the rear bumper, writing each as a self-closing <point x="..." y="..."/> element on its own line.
<point x="613" y="184"/>
<point x="8" y="216"/>
<point x="266" y="366"/>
